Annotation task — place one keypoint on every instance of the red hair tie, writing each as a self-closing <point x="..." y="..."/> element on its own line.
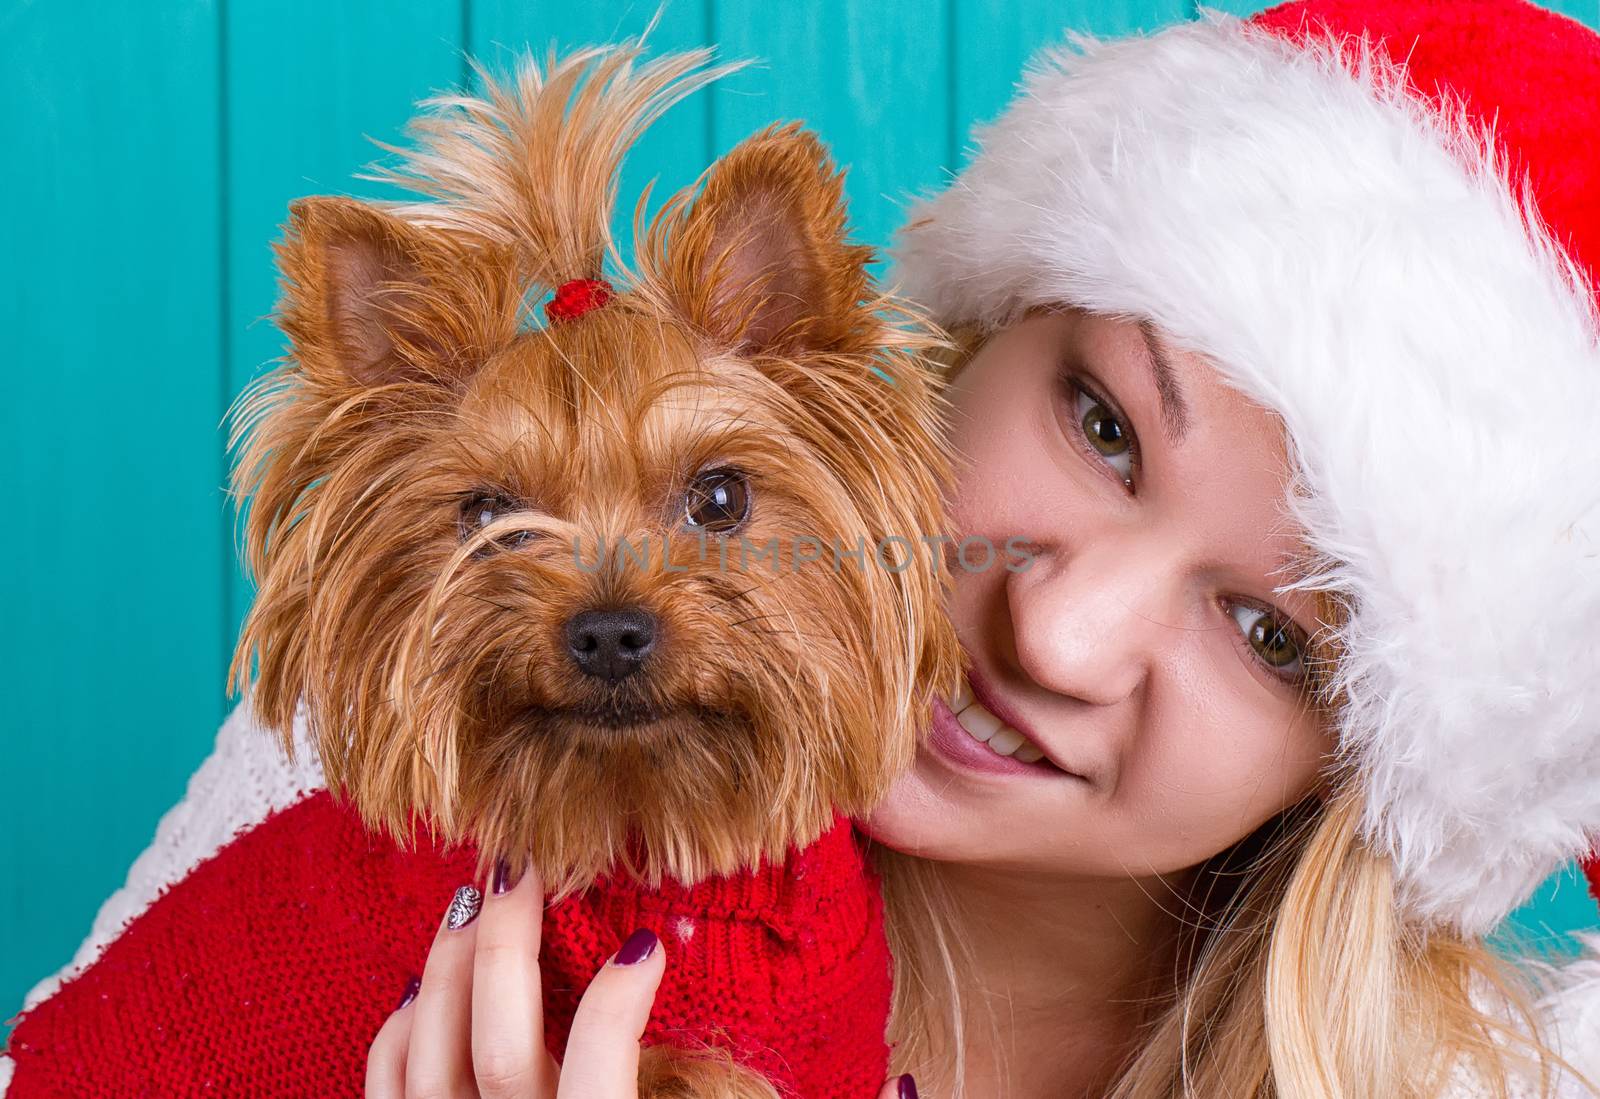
<point x="575" y="298"/>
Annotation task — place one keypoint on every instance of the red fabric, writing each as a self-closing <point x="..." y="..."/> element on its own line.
<point x="269" y="969"/>
<point x="1591" y="870"/>
<point x="574" y="299"/>
<point x="1534" y="73"/>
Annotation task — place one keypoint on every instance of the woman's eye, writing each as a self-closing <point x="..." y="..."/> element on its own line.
<point x="1107" y="434"/>
<point x="1277" y="642"/>
<point x="717" y="501"/>
<point x="481" y="509"/>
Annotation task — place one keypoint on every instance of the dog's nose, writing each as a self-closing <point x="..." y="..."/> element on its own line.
<point x="610" y="644"/>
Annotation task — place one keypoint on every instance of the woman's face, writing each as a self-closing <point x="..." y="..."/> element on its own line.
<point x="1147" y="685"/>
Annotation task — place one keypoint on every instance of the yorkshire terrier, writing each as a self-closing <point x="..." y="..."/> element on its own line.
<point x="639" y="595"/>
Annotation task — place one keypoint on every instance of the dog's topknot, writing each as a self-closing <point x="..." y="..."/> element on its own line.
<point x="532" y="161"/>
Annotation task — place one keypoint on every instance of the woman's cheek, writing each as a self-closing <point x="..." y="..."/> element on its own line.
<point x="1194" y="789"/>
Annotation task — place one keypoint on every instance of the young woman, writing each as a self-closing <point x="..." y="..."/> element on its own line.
<point x="1280" y="346"/>
<point x="1285" y="366"/>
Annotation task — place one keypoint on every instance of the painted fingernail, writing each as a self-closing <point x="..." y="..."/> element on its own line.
<point x="908" y="1087"/>
<point x="503" y="880"/>
<point x="412" y="987"/>
<point x="464" y="908"/>
<point x="639" y="946"/>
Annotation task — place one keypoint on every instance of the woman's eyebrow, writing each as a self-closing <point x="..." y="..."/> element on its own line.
<point x="1174" y="409"/>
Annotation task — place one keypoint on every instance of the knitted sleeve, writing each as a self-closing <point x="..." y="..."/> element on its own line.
<point x="245" y="778"/>
<point x="265" y="970"/>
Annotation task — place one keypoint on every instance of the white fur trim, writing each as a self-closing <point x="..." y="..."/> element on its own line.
<point x="1357" y="263"/>
<point x="245" y="778"/>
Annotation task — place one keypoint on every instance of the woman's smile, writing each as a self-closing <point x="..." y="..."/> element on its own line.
<point x="969" y="733"/>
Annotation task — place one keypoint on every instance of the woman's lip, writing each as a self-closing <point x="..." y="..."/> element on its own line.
<point x="955" y="745"/>
<point x="983" y="691"/>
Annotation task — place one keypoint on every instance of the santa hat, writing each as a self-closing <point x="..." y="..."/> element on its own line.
<point x="1381" y="219"/>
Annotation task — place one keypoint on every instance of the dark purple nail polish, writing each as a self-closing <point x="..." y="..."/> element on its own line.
<point x="640" y="945"/>
<point x="908" y="1087"/>
<point x="504" y="882"/>
<point x="412" y="987"/>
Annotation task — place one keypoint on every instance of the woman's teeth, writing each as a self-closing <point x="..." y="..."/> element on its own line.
<point x="987" y="729"/>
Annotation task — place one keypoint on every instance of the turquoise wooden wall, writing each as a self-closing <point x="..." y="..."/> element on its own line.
<point x="153" y="146"/>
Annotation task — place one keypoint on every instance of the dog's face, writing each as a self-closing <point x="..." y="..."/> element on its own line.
<point x="648" y="585"/>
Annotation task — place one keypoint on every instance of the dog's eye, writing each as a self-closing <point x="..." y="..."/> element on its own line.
<point x="718" y="500"/>
<point x="483" y="508"/>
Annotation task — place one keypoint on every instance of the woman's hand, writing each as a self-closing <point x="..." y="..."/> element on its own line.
<point x="473" y="1026"/>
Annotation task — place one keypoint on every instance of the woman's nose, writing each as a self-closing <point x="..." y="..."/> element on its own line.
<point x="1090" y="622"/>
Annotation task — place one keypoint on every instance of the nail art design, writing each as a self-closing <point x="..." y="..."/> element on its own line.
<point x="464" y="908"/>
<point x="413" y="986"/>
<point x="639" y="946"/>
<point x="907" y="1088"/>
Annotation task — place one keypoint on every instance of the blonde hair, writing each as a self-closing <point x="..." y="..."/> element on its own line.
<point x="1299" y="978"/>
<point x="1297" y="975"/>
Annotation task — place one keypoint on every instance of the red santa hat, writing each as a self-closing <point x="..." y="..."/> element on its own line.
<point x="1381" y="219"/>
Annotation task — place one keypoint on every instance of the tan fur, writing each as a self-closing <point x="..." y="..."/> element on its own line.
<point x="666" y="1072"/>
<point x="432" y="667"/>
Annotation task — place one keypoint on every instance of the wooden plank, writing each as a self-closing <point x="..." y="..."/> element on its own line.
<point x="871" y="76"/>
<point x="1587" y="11"/>
<point x="110" y="568"/>
<point x="308" y="82"/>
<point x="1544" y="925"/>
<point x="677" y="148"/>
<point x="996" y="38"/>
<point x="1236" y="7"/>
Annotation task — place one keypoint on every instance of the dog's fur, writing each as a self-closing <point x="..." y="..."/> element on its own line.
<point x="428" y="650"/>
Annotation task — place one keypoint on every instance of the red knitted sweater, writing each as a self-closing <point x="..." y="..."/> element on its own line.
<point x="269" y="968"/>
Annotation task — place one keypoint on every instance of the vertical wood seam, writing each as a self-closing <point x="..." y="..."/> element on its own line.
<point x="228" y="572"/>
<point x="952" y="86"/>
<point x="709" y="121"/>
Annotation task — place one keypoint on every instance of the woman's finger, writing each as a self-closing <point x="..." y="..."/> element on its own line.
<point x="602" y="1056"/>
<point x="386" y="1057"/>
<point x="899" y="1087"/>
<point x="509" y="1059"/>
<point x="439" y="1058"/>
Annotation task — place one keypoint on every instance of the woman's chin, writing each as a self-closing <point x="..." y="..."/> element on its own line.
<point x="927" y="815"/>
<point x="912" y="816"/>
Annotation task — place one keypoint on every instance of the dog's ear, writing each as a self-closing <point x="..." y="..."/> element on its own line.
<point x="760" y="260"/>
<point x="369" y="298"/>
